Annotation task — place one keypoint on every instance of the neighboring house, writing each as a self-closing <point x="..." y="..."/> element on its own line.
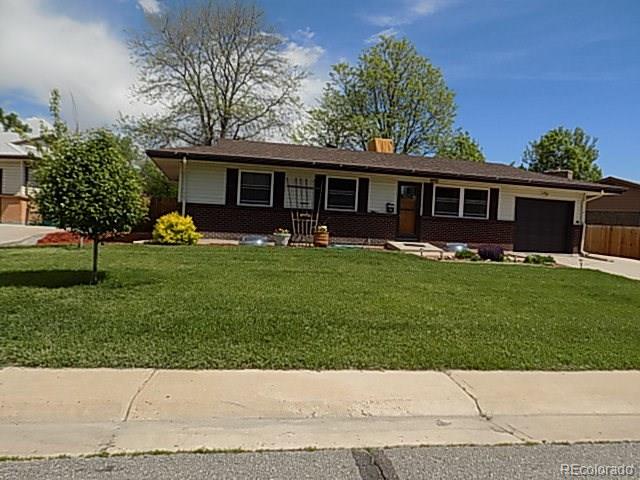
<point x="237" y="187"/>
<point x="16" y="177"/>
<point x="617" y="210"/>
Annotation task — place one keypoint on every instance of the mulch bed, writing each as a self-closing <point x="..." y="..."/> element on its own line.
<point x="61" y="238"/>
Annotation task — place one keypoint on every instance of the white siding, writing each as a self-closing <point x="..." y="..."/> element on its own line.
<point x="508" y="194"/>
<point x="382" y="190"/>
<point x="11" y="176"/>
<point x="205" y="183"/>
<point x="298" y="197"/>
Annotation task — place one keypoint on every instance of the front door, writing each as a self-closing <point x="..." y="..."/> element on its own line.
<point x="408" y="208"/>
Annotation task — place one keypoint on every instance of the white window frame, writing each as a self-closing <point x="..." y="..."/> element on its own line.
<point x="460" y="202"/>
<point x="326" y="194"/>
<point x="240" y="203"/>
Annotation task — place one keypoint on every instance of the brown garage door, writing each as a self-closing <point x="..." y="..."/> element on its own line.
<point x="543" y="225"/>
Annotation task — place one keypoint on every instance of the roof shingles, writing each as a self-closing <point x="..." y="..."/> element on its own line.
<point x="323" y="157"/>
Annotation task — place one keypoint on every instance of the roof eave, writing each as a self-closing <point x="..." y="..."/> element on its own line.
<point x="178" y="154"/>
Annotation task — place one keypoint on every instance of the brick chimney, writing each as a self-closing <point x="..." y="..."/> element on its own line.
<point x="560" y="173"/>
<point x="380" y="145"/>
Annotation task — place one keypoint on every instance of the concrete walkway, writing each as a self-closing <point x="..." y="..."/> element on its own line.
<point x="624" y="267"/>
<point x="23" y="235"/>
<point x="52" y="412"/>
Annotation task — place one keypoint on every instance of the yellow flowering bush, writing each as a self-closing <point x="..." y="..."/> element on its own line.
<point x="174" y="229"/>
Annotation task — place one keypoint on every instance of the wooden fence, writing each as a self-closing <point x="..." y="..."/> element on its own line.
<point x="613" y="240"/>
<point x="157" y="208"/>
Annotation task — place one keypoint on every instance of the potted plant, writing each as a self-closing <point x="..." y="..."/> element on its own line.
<point x="281" y="237"/>
<point x="321" y="236"/>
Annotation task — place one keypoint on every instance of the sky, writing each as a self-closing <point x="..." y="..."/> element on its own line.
<point x="518" y="67"/>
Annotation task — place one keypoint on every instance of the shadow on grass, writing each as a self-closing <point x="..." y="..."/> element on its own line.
<point x="47" y="278"/>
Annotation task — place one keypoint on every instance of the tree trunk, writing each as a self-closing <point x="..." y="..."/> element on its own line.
<point x="94" y="272"/>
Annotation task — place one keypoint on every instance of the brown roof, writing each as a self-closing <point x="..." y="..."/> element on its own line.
<point x="621" y="182"/>
<point x="267" y="153"/>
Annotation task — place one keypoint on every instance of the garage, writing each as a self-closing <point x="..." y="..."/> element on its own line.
<point x="543" y="225"/>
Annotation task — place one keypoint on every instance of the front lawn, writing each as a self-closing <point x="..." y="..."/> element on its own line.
<point x="208" y="307"/>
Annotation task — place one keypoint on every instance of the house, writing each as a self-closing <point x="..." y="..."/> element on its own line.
<point x="16" y="178"/>
<point x="236" y="187"/>
<point x="621" y="209"/>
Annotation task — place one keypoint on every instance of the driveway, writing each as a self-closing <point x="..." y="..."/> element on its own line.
<point x="11" y="235"/>
<point x="625" y="267"/>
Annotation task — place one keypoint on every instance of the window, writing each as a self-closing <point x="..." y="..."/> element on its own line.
<point x="255" y="188"/>
<point x="341" y="193"/>
<point x="461" y="202"/>
<point x="29" y="180"/>
<point x="475" y="203"/>
<point x="447" y="202"/>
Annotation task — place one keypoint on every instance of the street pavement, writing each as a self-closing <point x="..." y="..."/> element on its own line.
<point x="418" y="463"/>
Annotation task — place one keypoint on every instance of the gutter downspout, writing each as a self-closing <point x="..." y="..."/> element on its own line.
<point x="183" y="190"/>
<point x="584" y="219"/>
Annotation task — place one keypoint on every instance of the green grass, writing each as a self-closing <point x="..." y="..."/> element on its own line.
<point x="208" y="307"/>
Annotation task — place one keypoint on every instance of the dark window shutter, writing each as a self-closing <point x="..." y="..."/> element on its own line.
<point x="232" y="186"/>
<point x="278" y="189"/>
<point x="427" y="199"/>
<point x="0" y="181"/>
<point x="494" y="195"/>
<point x="319" y="187"/>
<point x="363" y="195"/>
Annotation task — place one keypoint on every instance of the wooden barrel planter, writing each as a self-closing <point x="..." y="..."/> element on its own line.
<point x="321" y="239"/>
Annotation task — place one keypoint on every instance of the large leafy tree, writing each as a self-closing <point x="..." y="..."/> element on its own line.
<point x="564" y="149"/>
<point x="154" y="182"/>
<point x="11" y="122"/>
<point x="461" y="146"/>
<point x="391" y="92"/>
<point x="86" y="184"/>
<point x="216" y="70"/>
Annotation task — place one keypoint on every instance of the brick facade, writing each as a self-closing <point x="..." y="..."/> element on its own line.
<point x="14" y="209"/>
<point x="576" y="237"/>
<point x="473" y="232"/>
<point x="220" y="221"/>
<point x="231" y="221"/>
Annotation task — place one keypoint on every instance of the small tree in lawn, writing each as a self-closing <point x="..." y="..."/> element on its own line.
<point x="86" y="185"/>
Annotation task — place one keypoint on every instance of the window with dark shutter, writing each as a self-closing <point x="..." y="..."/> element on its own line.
<point x="255" y="188"/>
<point x="475" y="203"/>
<point x="342" y="193"/>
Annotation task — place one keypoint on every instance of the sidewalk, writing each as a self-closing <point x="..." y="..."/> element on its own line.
<point x="23" y="235"/>
<point x="624" y="267"/>
<point x="86" y="411"/>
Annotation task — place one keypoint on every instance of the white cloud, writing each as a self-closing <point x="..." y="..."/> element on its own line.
<point x="303" y="56"/>
<point x="426" y="7"/>
<point x="151" y="7"/>
<point x="387" y="32"/>
<point x="43" y="50"/>
<point x="306" y="34"/>
<point x="308" y="55"/>
<point x="405" y="14"/>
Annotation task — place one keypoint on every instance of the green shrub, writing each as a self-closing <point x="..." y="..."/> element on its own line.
<point x="174" y="229"/>
<point x="539" y="259"/>
<point x="466" y="255"/>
